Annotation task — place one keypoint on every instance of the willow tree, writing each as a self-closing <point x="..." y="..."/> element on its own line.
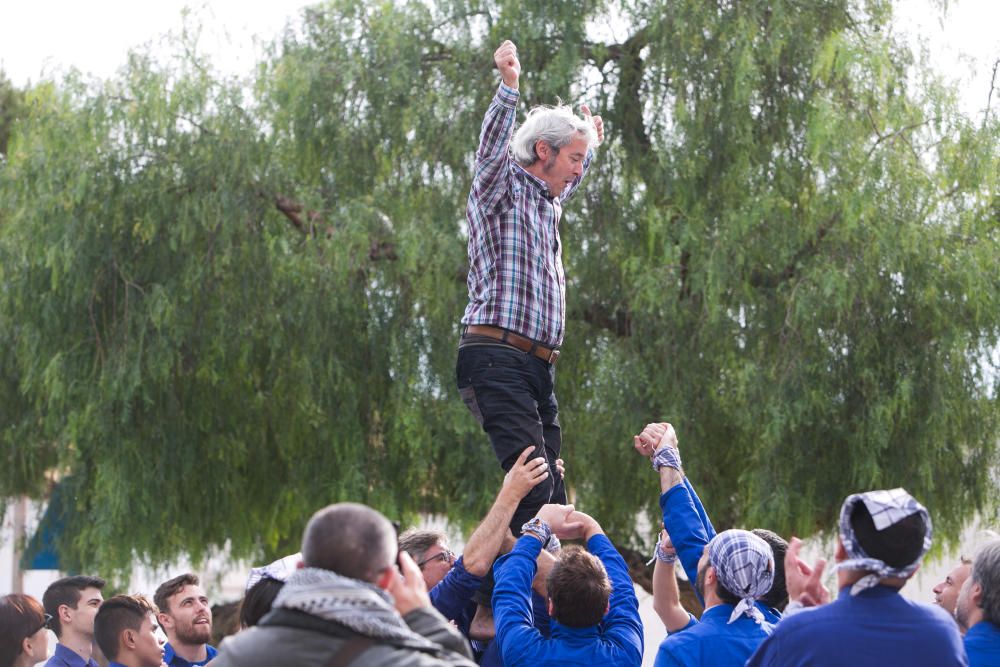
<point x="225" y="303"/>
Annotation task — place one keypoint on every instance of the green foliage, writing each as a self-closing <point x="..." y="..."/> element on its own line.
<point x="224" y="304"/>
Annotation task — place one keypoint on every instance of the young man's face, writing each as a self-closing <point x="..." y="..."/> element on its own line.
<point x="86" y="609"/>
<point x="564" y="167"/>
<point x="149" y="644"/>
<point x="946" y="592"/>
<point x="188" y="617"/>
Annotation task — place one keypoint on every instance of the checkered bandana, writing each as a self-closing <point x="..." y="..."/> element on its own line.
<point x="279" y="570"/>
<point x="744" y="564"/>
<point x="887" y="508"/>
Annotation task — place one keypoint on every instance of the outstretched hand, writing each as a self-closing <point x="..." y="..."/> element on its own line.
<point x="505" y="58"/>
<point x="525" y="475"/>
<point x="596" y="121"/>
<point x="563" y="520"/>
<point x="804" y="583"/>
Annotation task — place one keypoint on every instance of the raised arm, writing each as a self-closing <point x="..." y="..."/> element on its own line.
<point x="492" y="172"/>
<point x="684" y="518"/>
<point x="666" y="594"/>
<point x="485" y="542"/>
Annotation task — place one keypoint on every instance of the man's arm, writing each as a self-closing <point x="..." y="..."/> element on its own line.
<point x="492" y="174"/>
<point x="485" y="542"/>
<point x="684" y="517"/>
<point x="512" y="617"/>
<point x="666" y="594"/>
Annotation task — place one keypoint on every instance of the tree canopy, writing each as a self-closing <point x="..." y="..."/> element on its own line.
<point x="225" y="303"/>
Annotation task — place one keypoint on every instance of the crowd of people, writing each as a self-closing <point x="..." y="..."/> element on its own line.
<point x="359" y="594"/>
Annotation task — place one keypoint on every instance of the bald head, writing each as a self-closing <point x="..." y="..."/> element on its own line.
<point x="351" y="540"/>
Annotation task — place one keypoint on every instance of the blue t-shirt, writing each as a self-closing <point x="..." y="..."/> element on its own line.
<point x="713" y="642"/>
<point x="615" y="641"/>
<point x="877" y="627"/>
<point x="982" y="644"/>
<point x="67" y="657"/>
<point x="171" y="659"/>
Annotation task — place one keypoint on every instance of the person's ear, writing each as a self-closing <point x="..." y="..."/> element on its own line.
<point x="385" y="578"/>
<point x="165" y="620"/>
<point x="841" y="553"/>
<point x="542" y="150"/>
<point x="976" y="595"/>
<point x="27" y="648"/>
<point x="64" y="614"/>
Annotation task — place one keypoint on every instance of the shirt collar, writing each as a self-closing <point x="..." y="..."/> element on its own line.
<point x="71" y="658"/>
<point x="543" y="187"/>
<point x="174" y="660"/>
<point x="564" y="632"/>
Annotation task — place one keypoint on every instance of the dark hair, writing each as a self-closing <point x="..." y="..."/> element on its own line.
<point x="351" y="540"/>
<point x="898" y="545"/>
<point x="579" y="588"/>
<point x="66" y="591"/>
<point x="258" y="601"/>
<point x="122" y="612"/>
<point x="777" y="597"/>
<point x="417" y="542"/>
<point x="168" y="588"/>
<point x="20" y="617"/>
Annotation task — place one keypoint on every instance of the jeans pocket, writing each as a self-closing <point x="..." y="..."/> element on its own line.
<point x="468" y="394"/>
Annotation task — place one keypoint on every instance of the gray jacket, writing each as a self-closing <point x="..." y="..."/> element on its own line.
<point x="296" y="639"/>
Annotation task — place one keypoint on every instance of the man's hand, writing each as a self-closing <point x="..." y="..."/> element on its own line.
<point x="804" y="583"/>
<point x="666" y="544"/>
<point x="524" y="476"/>
<point x="596" y="121"/>
<point x="580" y="525"/>
<point x="653" y="437"/>
<point x="506" y="61"/>
<point x="561" y="468"/>
<point x="560" y="520"/>
<point x="408" y="588"/>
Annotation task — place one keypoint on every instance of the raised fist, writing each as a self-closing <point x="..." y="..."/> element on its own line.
<point x="506" y="61"/>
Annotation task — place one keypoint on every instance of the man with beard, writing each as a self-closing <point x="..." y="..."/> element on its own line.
<point x="73" y="603"/>
<point x="515" y="319"/>
<point x="186" y="618"/>
<point x="978" y="608"/>
<point x="125" y="629"/>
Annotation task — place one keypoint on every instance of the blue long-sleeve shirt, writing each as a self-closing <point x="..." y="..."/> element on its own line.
<point x="690" y="531"/>
<point x="875" y="628"/>
<point x="714" y="642"/>
<point x="982" y="643"/>
<point x="616" y="640"/>
<point x="452" y="596"/>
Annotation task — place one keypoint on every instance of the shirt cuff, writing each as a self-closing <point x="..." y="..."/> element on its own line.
<point x="507" y="96"/>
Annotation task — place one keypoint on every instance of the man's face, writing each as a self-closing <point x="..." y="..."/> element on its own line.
<point x="149" y="644"/>
<point x="435" y="564"/>
<point x="82" y="618"/>
<point x="562" y="168"/>
<point x="188" y="616"/>
<point x="946" y="592"/>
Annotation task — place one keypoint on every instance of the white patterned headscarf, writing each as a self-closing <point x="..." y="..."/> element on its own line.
<point x="744" y="564"/>
<point x="887" y="508"/>
<point x="279" y="570"/>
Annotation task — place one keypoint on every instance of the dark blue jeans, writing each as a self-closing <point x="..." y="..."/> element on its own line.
<point x="511" y="395"/>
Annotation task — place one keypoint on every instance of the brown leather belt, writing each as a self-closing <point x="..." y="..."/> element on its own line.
<point x="547" y="354"/>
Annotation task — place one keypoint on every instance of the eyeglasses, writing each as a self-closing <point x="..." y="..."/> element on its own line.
<point x="446" y="556"/>
<point x="46" y="624"/>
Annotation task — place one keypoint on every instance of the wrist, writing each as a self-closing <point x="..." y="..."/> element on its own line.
<point x="538" y="529"/>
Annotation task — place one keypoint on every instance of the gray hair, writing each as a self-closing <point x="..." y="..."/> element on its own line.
<point x="986" y="573"/>
<point x="556" y="126"/>
<point x="418" y="542"/>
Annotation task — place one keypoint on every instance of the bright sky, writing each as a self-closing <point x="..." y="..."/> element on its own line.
<point x="43" y="38"/>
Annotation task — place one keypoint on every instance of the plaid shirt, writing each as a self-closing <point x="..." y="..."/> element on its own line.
<point x="516" y="278"/>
